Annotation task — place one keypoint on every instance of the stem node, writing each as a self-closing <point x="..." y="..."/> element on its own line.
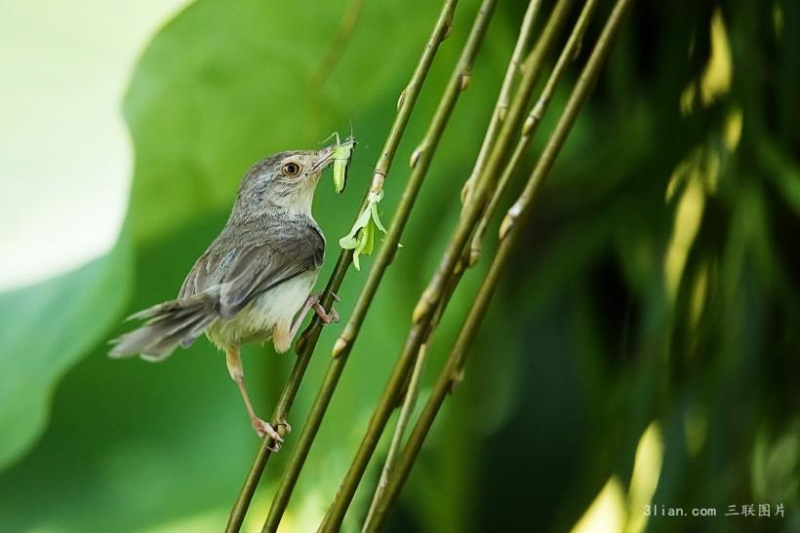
<point x="464" y="82"/>
<point x="474" y="255"/>
<point x="339" y="347"/>
<point x="415" y="155"/>
<point x="456" y="379"/>
<point x="401" y="100"/>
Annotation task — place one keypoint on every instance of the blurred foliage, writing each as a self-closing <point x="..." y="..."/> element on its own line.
<point x="48" y="327"/>
<point x="654" y="306"/>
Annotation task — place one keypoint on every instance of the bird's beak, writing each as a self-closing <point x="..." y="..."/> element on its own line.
<point x="323" y="158"/>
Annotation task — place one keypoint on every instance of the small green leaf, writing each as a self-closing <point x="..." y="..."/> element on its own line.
<point x="375" y="217"/>
<point x="368" y="242"/>
<point x="350" y="240"/>
<point x="361" y="238"/>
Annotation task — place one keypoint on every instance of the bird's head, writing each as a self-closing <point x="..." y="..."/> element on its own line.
<point x="285" y="181"/>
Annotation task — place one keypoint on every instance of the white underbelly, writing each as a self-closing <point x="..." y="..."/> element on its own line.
<point x="256" y="320"/>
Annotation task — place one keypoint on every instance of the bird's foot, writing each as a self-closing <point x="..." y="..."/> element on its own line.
<point x="265" y="429"/>
<point x="324" y="316"/>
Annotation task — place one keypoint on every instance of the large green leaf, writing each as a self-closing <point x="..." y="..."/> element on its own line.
<point x="225" y="85"/>
<point x="46" y="329"/>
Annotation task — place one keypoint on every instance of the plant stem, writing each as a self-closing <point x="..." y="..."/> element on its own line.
<point x="408" y="96"/>
<point x="432" y="295"/>
<point x="501" y="107"/>
<point x="409" y="403"/>
<point x="420" y="161"/>
<point x="307" y="342"/>
<point x="308" y="339"/>
<point x="347" y="26"/>
<point x="531" y="124"/>
<point x="529" y="127"/>
<point x="286" y="400"/>
<point x="532" y="66"/>
<point x="429" y="310"/>
<point x="455" y="363"/>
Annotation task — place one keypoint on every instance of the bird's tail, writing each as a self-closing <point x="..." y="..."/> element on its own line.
<point x="168" y="325"/>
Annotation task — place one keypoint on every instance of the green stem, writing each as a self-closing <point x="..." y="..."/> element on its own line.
<point x="531" y="124"/>
<point x="430" y="299"/>
<point x="305" y="349"/>
<point x="308" y="339"/>
<point x="455" y="363"/>
<point x="501" y="107"/>
<point x="420" y="162"/>
<point x="534" y="65"/>
<point x="409" y="403"/>
<point x="409" y="95"/>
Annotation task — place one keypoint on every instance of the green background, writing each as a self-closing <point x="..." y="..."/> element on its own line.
<point x="593" y="336"/>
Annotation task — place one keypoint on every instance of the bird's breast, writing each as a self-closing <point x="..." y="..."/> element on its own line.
<point x="255" y="321"/>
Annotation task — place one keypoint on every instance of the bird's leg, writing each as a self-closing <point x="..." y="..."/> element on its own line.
<point x="326" y="317"/>
<point x="237" y="374"/>
<point x="313" y="302"/>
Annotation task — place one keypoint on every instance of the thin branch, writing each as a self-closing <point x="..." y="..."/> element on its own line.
<point x="409" y="403"/>
<point x="420" y="329"/>
<point x="533" y="66"/>
<point x="531" y="124"/>
<point x="501" y="107"/>
<point x="455" y="363"/>
<point x="528" y="130"/>
<point x="308" y="339"/>
<point x="347" y="26"/>
<point x="286" y="400"/>
<point x="420" y="161"/>
<point x="410" y="93"/>
<point x="430" y="299"/>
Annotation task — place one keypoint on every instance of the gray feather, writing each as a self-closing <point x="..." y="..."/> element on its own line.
<point x="170" y="324"/>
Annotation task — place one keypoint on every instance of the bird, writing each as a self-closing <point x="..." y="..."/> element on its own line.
<point x="254" y="282"/>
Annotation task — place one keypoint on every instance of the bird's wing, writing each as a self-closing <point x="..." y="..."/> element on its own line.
<point x="240" y="273"/>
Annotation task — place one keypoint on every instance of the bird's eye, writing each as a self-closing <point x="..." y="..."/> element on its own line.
<point x="291" y="169"/>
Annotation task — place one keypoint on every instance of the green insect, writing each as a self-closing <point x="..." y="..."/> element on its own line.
<point x="341" y="157"/>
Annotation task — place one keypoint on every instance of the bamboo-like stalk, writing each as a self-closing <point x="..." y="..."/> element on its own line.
<point x="501" y="107"/>
<point x="286" y="400"/>
<point x="408" y="96"/>
<point x="508" y="240"/>
<point x="420" y="163"/>
<point x="531" y="124"/>
<point x="500" y="111"/>
<point x="471" y="254"/>
<point x="347" y="26"/>
<point x="430" y="299"/>
<point x="409" y="403"/>
<point x="308" y="339"/>
<point x="432" y="295"/>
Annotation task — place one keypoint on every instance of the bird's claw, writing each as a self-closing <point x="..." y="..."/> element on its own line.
<point x="327" y="317"/>
<point x="265" y="429"/>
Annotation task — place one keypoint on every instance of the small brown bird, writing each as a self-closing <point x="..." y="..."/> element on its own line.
<point x="254" y="282"/>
